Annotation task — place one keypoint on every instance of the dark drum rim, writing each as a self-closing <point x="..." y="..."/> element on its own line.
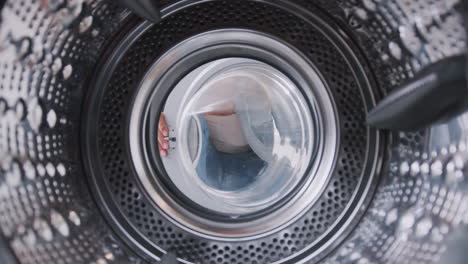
<point x="110" y="185"/>
<point x="233" y="43"/>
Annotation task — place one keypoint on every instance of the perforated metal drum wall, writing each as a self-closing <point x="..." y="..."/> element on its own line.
<point x="49" y="51"/>
<point x="356" y="155"/>
<point x="421" y="203"/>
<point x="46" y="211"/>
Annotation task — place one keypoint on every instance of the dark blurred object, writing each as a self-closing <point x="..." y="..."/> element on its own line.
<point x="6" y="256"/>
<point x="437" y="93"/>
<point x="169" y="258"/>
<point x="146" y="9"/>
<point x="457" y="248"/>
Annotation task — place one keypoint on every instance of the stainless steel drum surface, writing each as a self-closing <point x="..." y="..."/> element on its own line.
<point x="83" y="84"/>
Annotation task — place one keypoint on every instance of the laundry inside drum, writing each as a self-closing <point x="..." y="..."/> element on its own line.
<point x="243" y="134"/>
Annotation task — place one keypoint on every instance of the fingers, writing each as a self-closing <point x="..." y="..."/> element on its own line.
<point x="163" y="144"/>
<point x="163" y="153"/>
<point x="163" y="132"/>
<point x="162" y="127"/>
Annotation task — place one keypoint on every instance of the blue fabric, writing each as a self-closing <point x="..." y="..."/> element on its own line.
<point x="226" y="171"/>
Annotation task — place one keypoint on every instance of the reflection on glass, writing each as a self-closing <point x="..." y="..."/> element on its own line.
<point x="244" y="136"/>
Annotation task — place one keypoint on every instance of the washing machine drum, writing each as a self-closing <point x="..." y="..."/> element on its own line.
<point x="227" y="132"/>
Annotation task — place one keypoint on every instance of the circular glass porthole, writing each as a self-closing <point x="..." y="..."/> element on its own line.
<point x="233" y="140"/>
<point x="241" y="136"/>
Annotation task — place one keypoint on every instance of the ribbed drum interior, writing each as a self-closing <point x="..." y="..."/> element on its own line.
<point x="48" y="49"/>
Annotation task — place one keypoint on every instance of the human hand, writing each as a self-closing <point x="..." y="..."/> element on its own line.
<point x="163" y="133"/>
